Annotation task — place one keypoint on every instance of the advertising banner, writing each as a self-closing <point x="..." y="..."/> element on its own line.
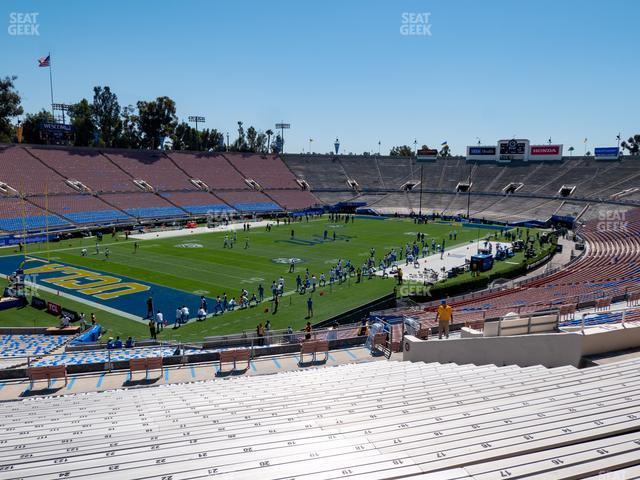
<point x="545" y="153"/>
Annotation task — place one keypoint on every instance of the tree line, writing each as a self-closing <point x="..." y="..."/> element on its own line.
<point x="103" y="122"/>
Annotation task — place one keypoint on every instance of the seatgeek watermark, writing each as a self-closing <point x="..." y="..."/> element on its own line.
<point x="612" y="221"/>
<point x="415" y="24"/>
<point x="24" y="24"/>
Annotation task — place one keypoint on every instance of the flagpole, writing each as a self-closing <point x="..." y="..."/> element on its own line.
<point x="51" y="86"/>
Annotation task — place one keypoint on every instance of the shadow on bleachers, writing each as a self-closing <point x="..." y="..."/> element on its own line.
<point x="231" y="373"/>
<point x="39" y="392"/>
<point x="141" y="382"/>
<point x="312" y="363"/>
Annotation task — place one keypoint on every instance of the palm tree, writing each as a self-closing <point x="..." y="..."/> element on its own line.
<point x="571" y="149"/>
<point x="269" y="133"/>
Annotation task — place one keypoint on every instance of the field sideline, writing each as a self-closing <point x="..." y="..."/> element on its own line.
<point x="198" y="264"/>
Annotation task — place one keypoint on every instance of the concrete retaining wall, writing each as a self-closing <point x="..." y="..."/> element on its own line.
<point x="550" y="350"/>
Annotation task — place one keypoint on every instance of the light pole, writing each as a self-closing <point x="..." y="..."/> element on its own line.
<point x="379" y="147"/>
<point x="227" y="141"/>
<point x="62" y="107"/>
<point x="282" y="126"/>
<point x="310" y="140"/>
<point x="197" y="119"/>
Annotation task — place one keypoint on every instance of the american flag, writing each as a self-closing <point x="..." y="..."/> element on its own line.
<point x="44" y="61"/>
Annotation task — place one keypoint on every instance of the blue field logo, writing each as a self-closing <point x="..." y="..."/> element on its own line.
<point x="118" y="292"/>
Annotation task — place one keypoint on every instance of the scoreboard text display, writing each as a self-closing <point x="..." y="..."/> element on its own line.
<point x="514" y="149"/>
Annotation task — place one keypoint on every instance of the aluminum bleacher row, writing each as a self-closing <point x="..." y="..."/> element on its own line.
<point x="83" y="186"/>
<point x="428" y="421"/>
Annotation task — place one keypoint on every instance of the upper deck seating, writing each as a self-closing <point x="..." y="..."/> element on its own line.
<point x="88" y="166"/>
<point x="212" y="168"/>
<point x="154" y="167"/>
<point x="26" y="174"/>
<point x="268" y="170"/>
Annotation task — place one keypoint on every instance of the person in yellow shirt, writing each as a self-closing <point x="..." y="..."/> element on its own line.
<point x="444" y="316"/>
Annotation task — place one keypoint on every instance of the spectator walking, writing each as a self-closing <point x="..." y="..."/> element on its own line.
<point x="444" y="316"/>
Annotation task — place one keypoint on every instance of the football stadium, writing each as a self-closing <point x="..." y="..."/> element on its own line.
<point x="191" y="296"/>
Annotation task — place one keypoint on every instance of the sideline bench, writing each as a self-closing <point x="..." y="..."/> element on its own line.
<point x="235" y="356"/>
<point x="46" y="373"/>
<point x="313" y="348"/>
<point x="146" y="365"/>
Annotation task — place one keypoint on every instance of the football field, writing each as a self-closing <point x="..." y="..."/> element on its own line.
<point x="176" y="271"/>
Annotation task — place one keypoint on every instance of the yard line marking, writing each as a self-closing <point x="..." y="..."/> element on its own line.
<point x="276" y="362"/>
<point x="100" y="378"/>
<point x="253" y="366"/>
<point x="193" y="371"/>
<point x="166" y="374"/>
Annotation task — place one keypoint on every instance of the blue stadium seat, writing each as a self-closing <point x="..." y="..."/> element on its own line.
<point x="30" y="223"/>
<point x="103" y="216"/>
<point x="155" y="212"/>
<point x="257" y="207"/>
<point x="204" y="209"/>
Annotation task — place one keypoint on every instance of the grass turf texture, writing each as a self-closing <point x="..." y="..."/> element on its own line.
<point x="217" y="270"/>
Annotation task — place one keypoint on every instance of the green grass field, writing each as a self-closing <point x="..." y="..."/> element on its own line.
<point x="215" y="270"/>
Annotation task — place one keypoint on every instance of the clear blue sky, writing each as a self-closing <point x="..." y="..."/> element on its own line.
<point x="564" y="69"/>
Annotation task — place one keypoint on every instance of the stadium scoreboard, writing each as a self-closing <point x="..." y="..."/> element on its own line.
<point x="513" y="149"/>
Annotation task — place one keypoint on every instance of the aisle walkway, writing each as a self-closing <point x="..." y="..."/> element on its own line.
<point x="100" y="381"/>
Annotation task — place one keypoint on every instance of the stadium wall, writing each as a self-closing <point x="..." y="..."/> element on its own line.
<point x="550" y="350"/>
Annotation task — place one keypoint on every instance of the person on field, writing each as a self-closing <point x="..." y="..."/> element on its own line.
<point x="309" y="307"/>
<point x="159" y="321"/>
<point x="150" y="307"/>
<point x="444" y="316"/>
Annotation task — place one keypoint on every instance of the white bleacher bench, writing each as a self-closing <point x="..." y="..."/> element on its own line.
<point x="431" y="421"/>
<point x="313" y="348"/>
<point x="146" y="365"/>
<point x="46" y="373"/>
<point x="235" y="356"/>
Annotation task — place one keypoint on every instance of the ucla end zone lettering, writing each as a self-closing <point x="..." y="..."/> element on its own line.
<point x="117" y="292"/>
<point x="104" y="287"/>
